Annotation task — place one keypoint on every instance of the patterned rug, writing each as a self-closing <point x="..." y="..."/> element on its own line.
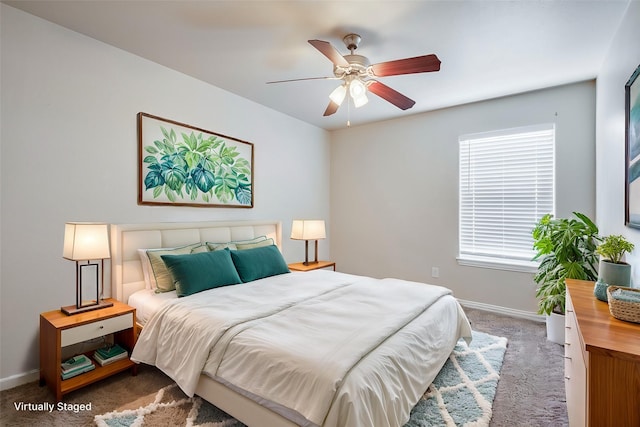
<point x="461" y="395"/>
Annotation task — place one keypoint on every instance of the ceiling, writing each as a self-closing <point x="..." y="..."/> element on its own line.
<point x="488" y="49"/>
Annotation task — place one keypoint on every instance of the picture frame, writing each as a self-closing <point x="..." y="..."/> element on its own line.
<point x="632" y="150"/>
<point x="183" y="165"/>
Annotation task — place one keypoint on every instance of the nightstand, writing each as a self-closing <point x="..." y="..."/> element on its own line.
<point x="58" y="330"/>
<point x="299" y="266"/>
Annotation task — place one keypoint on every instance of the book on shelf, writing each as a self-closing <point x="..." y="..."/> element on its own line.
<point x="110" y="351"/>
<point x="75" y="363"/>
<point x="105" y="361"/>
<point x="77" y="371"/>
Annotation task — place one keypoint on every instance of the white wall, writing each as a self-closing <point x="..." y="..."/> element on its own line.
<point x="621" y="61"/>
<point x="69" y="153"/>
<point x="394" y="189"/>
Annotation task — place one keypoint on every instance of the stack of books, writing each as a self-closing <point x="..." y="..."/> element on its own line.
<point x="75" y="366"/>
<point x="110" y="354"/>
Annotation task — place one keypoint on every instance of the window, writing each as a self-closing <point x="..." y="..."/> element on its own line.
<point x="506" y="186"/>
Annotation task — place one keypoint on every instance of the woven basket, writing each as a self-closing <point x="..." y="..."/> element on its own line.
<point x="624" y="310"/>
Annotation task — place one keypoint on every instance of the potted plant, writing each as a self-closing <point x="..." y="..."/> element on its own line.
<point x="566" y="249"/>
<point x="613" y="270"/>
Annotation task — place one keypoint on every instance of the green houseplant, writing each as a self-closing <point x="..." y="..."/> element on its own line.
<point x="613" y="248"/>
<point x="566" y="249"/>
<point x="613" y="270"/>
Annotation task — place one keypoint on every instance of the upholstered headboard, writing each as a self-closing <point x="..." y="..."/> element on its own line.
<point x="126" y="270"/>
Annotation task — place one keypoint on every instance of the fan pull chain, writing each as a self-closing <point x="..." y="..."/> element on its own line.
<point x="348" y="111"/>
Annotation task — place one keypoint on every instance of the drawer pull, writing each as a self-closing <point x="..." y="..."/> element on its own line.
<point x="567" y="378"/>
<point x="567" y="343"/>
<point x="101" y="326"/>
<point x="567" y="357"/>
<point x="567" y="327"/>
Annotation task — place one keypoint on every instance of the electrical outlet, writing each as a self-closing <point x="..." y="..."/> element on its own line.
<point x="435" y="272"/>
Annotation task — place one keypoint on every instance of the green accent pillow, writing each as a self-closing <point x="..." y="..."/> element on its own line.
<point x="161" y="276"/>
<point x="253" y="264"/>
<point x="201" y="271"/>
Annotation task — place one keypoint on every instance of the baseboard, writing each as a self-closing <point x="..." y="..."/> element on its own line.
<point x="503" y="310"/>
<point x="19" y="379"/>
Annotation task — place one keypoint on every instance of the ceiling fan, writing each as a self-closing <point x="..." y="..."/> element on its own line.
<point x="357" y="74"/>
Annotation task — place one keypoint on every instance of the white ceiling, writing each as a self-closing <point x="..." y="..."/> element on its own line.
<point x="487" y="48"/>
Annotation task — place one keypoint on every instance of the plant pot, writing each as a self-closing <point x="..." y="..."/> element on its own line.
<point x="610" y="273"/>
<point x="555" y="328"/>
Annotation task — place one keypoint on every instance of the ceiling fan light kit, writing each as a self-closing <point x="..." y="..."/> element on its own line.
<point x="338" y="94"/>
<point x="358" y="92"/>
<point x="358" y="75"/>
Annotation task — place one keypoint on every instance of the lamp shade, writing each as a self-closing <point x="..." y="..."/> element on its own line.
<point x="338" y="94"/>
<point x="86" y="241"/>
<point x="358" y="92"/>
<point x="357" y="88"/>
<point x="308" y="229"/>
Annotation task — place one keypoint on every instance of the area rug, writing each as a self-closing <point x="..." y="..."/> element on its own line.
<point x="460" y="395"/>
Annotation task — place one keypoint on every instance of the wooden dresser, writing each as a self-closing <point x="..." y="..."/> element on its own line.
<point x="602" y="362"/>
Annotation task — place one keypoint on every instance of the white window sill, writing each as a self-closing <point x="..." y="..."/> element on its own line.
<point x="498" y="264"/>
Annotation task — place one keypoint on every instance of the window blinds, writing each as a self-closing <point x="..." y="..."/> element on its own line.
<point x="506" y="186"/>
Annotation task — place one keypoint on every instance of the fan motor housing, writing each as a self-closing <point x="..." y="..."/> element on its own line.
<point x="357" y="65"/>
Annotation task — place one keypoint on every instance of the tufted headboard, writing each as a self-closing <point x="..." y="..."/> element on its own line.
<point x="126" y="239"/>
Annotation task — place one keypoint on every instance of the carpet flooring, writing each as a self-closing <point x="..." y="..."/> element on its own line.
<point x="461" y="395"/>
<point x="530" y="392"/>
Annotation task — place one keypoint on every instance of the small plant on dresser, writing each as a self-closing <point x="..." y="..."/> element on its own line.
<point x="612" y="270"/>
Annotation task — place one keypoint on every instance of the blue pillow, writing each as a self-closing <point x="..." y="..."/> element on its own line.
<point x="201" y="271"/>
<point x="254" y="264"/>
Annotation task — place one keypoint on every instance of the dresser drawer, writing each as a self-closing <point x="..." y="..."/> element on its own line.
<point x="96" y="329"/>
<point x="575" y="370"/>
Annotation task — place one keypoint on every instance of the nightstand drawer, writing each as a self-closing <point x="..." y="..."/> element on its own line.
<point x="95" y="329"/>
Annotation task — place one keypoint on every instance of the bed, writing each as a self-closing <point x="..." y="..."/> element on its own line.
<point x="317" y="348"/>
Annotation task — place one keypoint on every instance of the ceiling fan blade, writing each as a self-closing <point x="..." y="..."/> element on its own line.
<point x="418" y="64"/>
<point x="391" y="95"/>
<point x="330" y="52"/>
<point x="303" y="79"/>
<point x="331" y="108"/>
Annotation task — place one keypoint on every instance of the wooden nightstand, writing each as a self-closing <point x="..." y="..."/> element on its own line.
<point x="57" y="330"/>
<point x="299" y="266"/>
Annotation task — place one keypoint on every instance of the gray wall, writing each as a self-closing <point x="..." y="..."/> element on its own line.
<point x="394" y="189"/>
<point x="622" y="60"/>
<point x="69" y="153"/>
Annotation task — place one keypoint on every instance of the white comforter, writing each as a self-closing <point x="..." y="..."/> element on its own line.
<point x="340" y="350"/>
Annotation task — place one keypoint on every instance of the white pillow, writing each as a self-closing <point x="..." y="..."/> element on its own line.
<point x="232" y="245"/>
<point x="146" y="266"/>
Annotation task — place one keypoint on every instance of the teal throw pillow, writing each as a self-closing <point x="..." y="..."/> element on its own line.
<point x="201" y="271"/>
<point x="254" y="264"/>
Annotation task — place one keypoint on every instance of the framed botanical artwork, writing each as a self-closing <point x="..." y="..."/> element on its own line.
<point x="632" y="147"/>
<point x="182" y="165"/>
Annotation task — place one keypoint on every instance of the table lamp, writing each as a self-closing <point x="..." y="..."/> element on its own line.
<point x="87" y="241"/>
<point x="305" y="229"/>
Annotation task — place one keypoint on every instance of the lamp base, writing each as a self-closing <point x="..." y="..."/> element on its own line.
<point x="306" y="254"/>
<point x="70" y="310"/>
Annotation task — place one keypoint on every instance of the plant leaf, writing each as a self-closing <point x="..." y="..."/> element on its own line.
<point x="153" y="179"/>
<point x="174" y="178"/>
<point x="203" y="179"/>
<point x="243" y="194"/>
